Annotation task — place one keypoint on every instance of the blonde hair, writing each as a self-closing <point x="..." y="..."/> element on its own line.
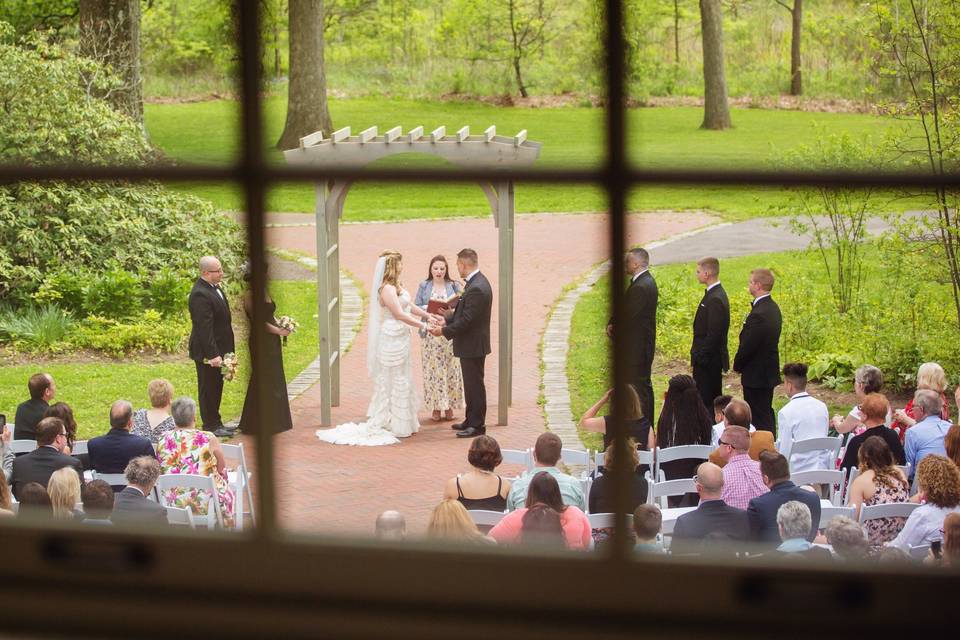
<point x="64" y="490"/>
<point x="931" y="375"/>
<point x="451" y="521"/>
<point x="391" y="271"/>
<point x="160" y="392"/>
<point x="609" y="459"/>
<point x="764" y="278"/>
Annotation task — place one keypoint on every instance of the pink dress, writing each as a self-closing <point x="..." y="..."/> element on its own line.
<point x="575" y="524"/>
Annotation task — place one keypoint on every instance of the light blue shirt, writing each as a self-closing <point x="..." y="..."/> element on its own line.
<point x="795" y="545"/>
<point x="923" y="439"/>
<point x="571" y="490"/>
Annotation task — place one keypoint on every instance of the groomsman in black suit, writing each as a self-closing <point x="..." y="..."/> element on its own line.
<point x="758" y="358"/>
<point x="641" y="330"/>
<point x="469" y="328"/>
<point x="708" y="354"/>
<point x="211" y="337"/>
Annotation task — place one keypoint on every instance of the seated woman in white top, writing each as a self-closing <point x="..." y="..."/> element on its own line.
<point x="939" y="482"/>
<point x="866" y="380"/>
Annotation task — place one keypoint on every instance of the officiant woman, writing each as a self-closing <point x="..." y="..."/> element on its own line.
<point x="442" y="380"/>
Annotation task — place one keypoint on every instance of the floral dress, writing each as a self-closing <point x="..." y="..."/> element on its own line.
<point x="188" y="451"/>
<point x="883" y="530"/>
<point x="442" y="378"/>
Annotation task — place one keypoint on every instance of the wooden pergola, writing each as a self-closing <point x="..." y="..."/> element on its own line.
<point x="487" y="151"/>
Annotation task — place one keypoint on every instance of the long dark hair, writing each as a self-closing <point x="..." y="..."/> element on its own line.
<point x="875" y="455"/>
<point x="446" y="268"/>
<point x="63" y="411"/>
<point x="684" y="419"/>
<point x="542" y="527"/>
<point x="545" y="489"/>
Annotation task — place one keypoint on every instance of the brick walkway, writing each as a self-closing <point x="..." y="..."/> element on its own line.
<point x="336" y="489"/>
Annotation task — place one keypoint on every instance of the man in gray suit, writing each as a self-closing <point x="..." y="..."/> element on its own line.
<point x="132" y="505"/>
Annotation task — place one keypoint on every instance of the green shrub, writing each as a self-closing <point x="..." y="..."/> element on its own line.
<point x="150" y="332"/>
<point x="66" y="289"/>
<point x="167" y="292"/>
<point x="35" y="327"/>
<point x="114" y="294"/>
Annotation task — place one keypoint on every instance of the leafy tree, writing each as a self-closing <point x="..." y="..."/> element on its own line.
<point x="796" y="21"/>
<point x="26" y="15"/>
<point x="110" y="34"/>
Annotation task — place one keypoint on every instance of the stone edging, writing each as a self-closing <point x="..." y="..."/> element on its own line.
<point x="556" y="347"/>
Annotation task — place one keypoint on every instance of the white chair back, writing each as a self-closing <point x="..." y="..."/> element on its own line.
<point x="829" y="513"/>
<point x="834" y="479"/>
<point x="643" y="457"/>
<point x="579" y="458"/>
<point x="585" y="485"/>
<point x="170" y="481"/>
<point x="852" y="474"/>
<point x="22" y="446"/>
<point x="236" y="459"/>
<point x="829" y="445"/>
<point x="112" y="479"/>
<point x="920" y="551"/>
<point x="606" y="520"/>
<point x="662" y="490"/>
<point x="520" y="457"/>
<point x="684" y="452"/>
<point x="484" y="518"/>
<point x="889" y="510"/>
<point x="182" y="517"/>
<point x="79" y="448"/>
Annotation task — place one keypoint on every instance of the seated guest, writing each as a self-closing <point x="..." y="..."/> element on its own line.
<point x="684" y="420"/>
<point x="762" y="510"/>
<point x="737" y="413"/>
<point x="38" y="465"/>
<point x="930" y="376"/>
<point x="874" y="409"/>
<point x="546" y="455"/>
<point x="450" y="521"/>
<point x="879" y="482"/>
<point x="602" y="489"/>
<point x="866" y="380"/>
<point x="951" y="443"/>
<point x="847" y="539"/>
<point x="794" y="524"/>
<point x="480" y="488"/>
<point x="34" y="501"/>
<point x="151" y="423"/>
<point x="186" y="449"/>
<point x="544" y="489"/>
<point x="6" y="499"/>
<point x="803" y="417"/>
<point x="742" y="481"/>
<point x="6" y="453"/>
<point x="950" y="548"/>
<point x="638" y="425"/>
<point x="927" y="435"/>
<point x="714" y="520"/>
<point x="719" y="404"/>
<point x="542" y="527"/>
<point x="110" y="453"/>
<point x="391" y="525"/>
<point x="30" y="413"/>
<point x="647" y="522"/>
<point x="63" y="411"/>
<point x="131" y="505"/>
<point x="64" y="491"/>
<point x="939" y="482"/>
<point x="97" y="498"/>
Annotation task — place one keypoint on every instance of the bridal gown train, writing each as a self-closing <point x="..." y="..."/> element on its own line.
<point x="392" y="413"/>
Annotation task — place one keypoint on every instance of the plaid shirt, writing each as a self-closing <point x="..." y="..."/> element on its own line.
<point x="742" y="481"/>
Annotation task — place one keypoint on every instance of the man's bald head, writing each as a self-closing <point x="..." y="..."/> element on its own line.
<point x="210" y="269"/>
<point x="709" y="481"/>
<point x="391" y="525"/>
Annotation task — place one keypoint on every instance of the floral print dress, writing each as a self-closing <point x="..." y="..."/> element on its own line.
<point x="442" y="379"/>
<point x="188" y="451"/>
<point x="882" y="530"/>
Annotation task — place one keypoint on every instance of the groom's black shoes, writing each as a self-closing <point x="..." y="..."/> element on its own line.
<point x="471" y="432"/>
<point x="459" y="426"/>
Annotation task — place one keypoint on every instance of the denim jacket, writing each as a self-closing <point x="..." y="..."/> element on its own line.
<point x="423" y="296"/>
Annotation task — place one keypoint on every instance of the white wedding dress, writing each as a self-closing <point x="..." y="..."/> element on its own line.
<point x="392" y="413"/>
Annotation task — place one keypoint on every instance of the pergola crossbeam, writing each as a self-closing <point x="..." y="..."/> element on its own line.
<point x="340" y="135"/>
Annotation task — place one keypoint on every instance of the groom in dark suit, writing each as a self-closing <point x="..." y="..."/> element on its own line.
<point x="641" y="331"/>
<point x="469" y="328"/>
<point x="758" y="358"/>
<point x="708" y="354"/>
<point x="211" y="337"/>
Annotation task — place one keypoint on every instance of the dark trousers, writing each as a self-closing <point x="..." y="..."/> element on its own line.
<point x="209" y="393"/>
<point x="474" y="392"/>
<point x="639" y="377"/>
<point x="709" y="379"/>
<point x="761" y="406"/>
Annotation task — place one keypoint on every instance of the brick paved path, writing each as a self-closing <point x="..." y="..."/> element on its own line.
<point x="338" y="489"/>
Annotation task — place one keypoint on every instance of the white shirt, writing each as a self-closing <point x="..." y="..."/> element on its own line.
<point x="638" y="274"/>
<point x="715" y="284"/>
<point x="472" y="273"/>
<point x="802" y="418"/>
<point x="718" y="431"/>
<point x="759" y="298"/>
<point x="922" y="527"/>
<point x="217" y="289"/>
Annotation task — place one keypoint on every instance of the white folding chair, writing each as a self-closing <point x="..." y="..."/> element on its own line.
<point x="578" y="458"/>
<point x="919" y="552"/>
<point x="22" y="446"/>
<point x="833" y="478"/>
<point x="684" y="452"/>
<point x="519" y="457"/>
<point x="178" y="516"/>
<point x="606" y="520"/>
<point x="240" y="481"/>
<point x="828" y="445"/>
<point x="889" y="510"/>
<point x="829" y="513"/>
<point x="666" y="488"/>
<point x="169" y="481"/>
<point x="484" y="518"/>
<point x="112" y="479"/>
<point x="852" y="474"/>
<point x="585" y="485"/>
<point x="79" y="448"/>
<point x="643" y="458"/>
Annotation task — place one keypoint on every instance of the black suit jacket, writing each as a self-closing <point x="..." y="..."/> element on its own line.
<point x="713" y="518"/>
<point x="640" y="300"/>
<point x="758" y="358"/>
<point x="131" y="506"/>
<point x="469" y="327"/>
<point x="211" y="334"/>
<point x="29" y="413"/>
<point x="710" y="327"/>
<point x="762" y="512"/>
<point x="38" y="466"/>
<point x="111" y="452"/>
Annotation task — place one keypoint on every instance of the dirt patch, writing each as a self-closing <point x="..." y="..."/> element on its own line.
<point x="13" y="358"/>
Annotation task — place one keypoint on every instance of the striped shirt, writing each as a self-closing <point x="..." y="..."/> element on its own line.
<point x="742" y="481"/>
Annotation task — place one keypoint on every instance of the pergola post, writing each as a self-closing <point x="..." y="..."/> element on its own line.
<point x="323" y="297"/>
<point x="505" y="216"/>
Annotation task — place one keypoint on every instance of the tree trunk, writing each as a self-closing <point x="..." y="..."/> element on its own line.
<point x="307" y="110"/>
<point x="716" y="114"/>
<point x="676" y="33"/>
<point x="796" y="82"/>
<point x="110" y="34"/>
<point x="516" y="71"/>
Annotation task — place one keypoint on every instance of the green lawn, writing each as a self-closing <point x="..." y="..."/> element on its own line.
<point x="90" y="387"/>
<point x="207" y="132"/>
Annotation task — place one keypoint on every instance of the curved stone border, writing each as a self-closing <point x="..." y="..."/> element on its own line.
<point x="556" y="347"/>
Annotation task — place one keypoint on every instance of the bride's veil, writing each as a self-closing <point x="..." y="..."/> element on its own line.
<point x="373" y="339"/>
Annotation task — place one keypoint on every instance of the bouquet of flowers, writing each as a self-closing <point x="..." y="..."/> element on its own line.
<point x="228" y="367"/>
<point x="288" y="324"/>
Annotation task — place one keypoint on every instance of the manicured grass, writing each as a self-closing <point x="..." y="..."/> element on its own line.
<point x="207" y="132"/>
<point x="90" y="387"/>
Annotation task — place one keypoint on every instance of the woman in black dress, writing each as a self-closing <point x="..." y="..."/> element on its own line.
<point x="270" y="371"/>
